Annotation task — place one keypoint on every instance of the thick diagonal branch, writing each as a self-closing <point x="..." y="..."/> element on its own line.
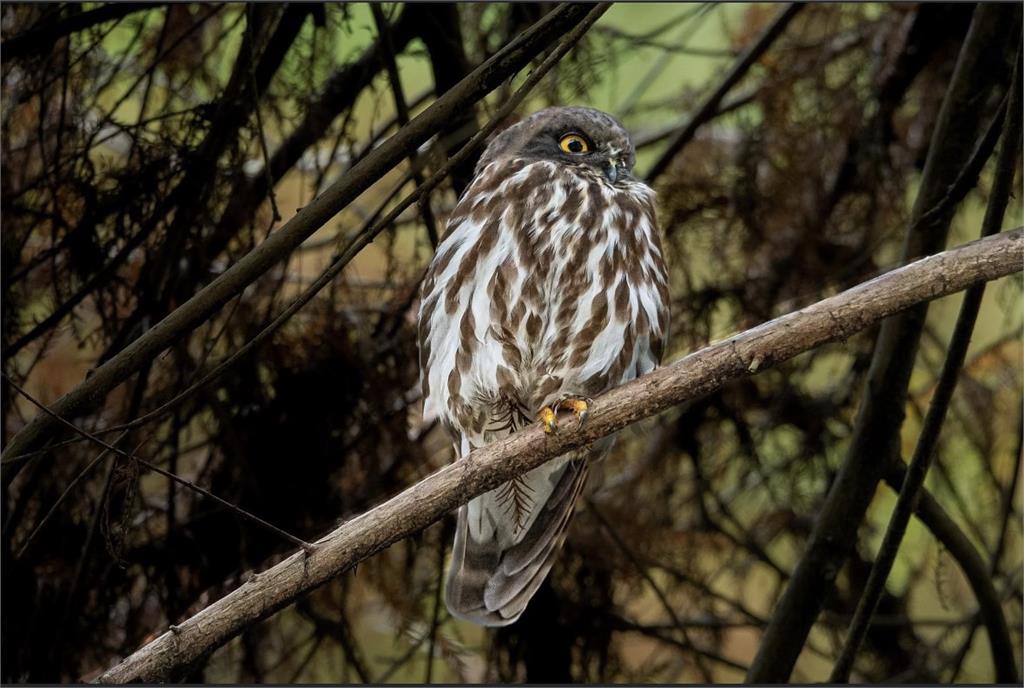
<point x="700" y="373"/>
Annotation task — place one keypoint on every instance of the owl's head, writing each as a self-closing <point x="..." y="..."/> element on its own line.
<point x="575" y="136"/>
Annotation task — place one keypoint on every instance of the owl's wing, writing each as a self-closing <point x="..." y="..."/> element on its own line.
<point x="495" y="570"/>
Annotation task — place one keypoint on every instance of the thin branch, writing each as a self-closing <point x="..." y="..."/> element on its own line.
<point x="156" y="469"/>
<point x="710" y="104"/>
<point x="696" y="375"/>
<point x="967" y="557"/>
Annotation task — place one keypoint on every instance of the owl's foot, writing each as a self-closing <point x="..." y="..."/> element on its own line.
<point x="580" y="407"/>
<point x="548" y="419"/>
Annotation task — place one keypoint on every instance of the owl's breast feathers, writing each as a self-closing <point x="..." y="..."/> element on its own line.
<point x="550" y="281"/>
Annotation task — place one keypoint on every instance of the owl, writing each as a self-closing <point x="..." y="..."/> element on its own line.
<point x="548" y="288"/>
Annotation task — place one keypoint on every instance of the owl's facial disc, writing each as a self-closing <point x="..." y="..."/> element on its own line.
<point x="577" y="137"/>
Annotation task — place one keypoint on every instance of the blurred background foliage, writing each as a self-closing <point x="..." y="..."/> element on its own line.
<point x="134" y="171"/>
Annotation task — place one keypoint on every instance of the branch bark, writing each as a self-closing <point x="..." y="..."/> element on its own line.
<point x="279" y="244"/>
<point x="700" y="373"/>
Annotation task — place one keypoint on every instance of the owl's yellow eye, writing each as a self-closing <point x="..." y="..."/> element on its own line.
<point x="573" y="143"/>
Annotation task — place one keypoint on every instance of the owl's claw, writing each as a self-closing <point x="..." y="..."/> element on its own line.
<point x="548" y="419"/>
<point x="580" y="407"/>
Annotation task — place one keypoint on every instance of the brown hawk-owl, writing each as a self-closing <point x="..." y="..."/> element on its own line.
<point x="548" y="288"/>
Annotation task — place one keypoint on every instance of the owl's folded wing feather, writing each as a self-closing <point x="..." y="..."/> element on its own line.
<point x="494" y="570"/>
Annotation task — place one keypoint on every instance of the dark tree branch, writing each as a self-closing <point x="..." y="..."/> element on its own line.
<point x="981" y="67"/>
<point x="41" y="38"/>
<point x="696" y="375"/>
<point x="970" y="561"/>
<point x="1006" y="672"/>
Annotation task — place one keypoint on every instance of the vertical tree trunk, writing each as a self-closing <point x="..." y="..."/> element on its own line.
<point x="982" y="68"/>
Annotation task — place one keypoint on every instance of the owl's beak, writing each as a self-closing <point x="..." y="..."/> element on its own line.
<point x="614" y="169"/>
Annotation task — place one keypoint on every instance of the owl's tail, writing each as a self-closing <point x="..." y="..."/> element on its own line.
<point x="498" y="564"/>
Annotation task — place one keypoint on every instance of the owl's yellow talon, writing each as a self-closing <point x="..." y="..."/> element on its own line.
<point x="580" y="408"/>
<point x="548" y="419"/>
<point x="548" y="416"/>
